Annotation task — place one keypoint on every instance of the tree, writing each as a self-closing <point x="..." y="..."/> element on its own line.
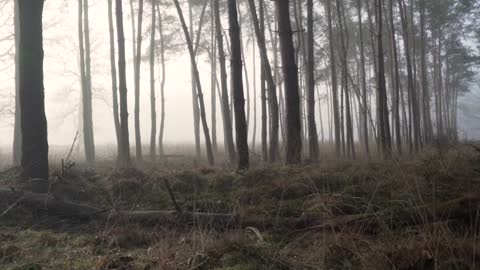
<point x="86" y="80"/>
<point x="113" y="69"/>
<point x="17" y="131"/>
<point x="153" y="112"/>
<point x="162" y="84"/>
<point x="383" y="125"/>
<point x="312" y="127"/>
<point x="32" y="99"/>
<point x="124" y="159"/>
<point x="268" y="76"/>
<point x="227" y="121"/>
<point x="237" y="87"/>
<point x="290" y="76"/>
<point x="364" y="80"/>
<point x="333" y="74"/>
<point x="196" y="74"/>
<point x="138" y="62"/>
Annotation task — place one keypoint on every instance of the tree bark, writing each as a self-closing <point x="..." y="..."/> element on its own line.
<point x="383" y="125"/>
<point x="333" y="74"/>
<point x="17" y="131"/>
<point x="124" y="160"/>
<point x="292" y="98"/>
<point x="364" y="81"/>
<point x="32" y="99"/>
<point x="267" y="72"/>
<point x="203" y="117"/>
<point x="138" y="62"/>
<point x="312" y="127"/>
<point x="162" y="84"/>
<point x="237" y="87"/>
<point x="153" y="110"/>
<point x="113" y="69"/>
<point x="227" y="120"/>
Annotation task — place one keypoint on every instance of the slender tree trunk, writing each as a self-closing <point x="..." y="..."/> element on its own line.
<point x="263" y="89"/>
<point x="153" y="111"/>
<point x="162" y="84"/>
<point x="203" y="117"/>
<point x="272" y="92"/>
<point x="138" y="62"/>
<point x="113" y="69"/>
<point x="32" y="100"/>
<point x="227" y="120"/>
<point x="333" y="74"/>
<point x="125" y="160"/>
<point x="411" y="83"/>
<point x="383" y="125"/>
<point x="213" y="77"/>
<point x="17" y="131"/>
<point x="196" y="114"/>
<point x="84" y="41"/>
<point x="396" y="86"/>
<point x="364" y="81"/>
<point x="254" y="135"/>
<point x="237" y="87"/>
<point x="312" y="127"/>
<point x="292" y="99"/>
<point x="427" y="119"/>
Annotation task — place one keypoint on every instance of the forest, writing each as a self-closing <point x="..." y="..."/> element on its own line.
<point x="239" y="134"/>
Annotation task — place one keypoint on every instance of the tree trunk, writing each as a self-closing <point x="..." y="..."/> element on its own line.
<point x="427" y="120"/>
<point x="263" y="89"/>
<point x="162" y="84"/>
<point x="138" y="62"/>
<point x="113" y="69"/>
<point x="267" y="71"/>
<point x="312" y="127"/>
<point x="17" y="131"/>
<point x="364" y="81"/>
<point x="32" y="100"/>
<point x="213" y="78"/>
<point x="237" y="87"/>
<point x="153" y="111"/>
<point x="125" y="160"/>
<point x="411" y="84"/>
<point x="292" y="98"/>
<point x="195" y="110"/>
<point x="383" y="125"/>
<point x="333" y="74"/>
<point x="203" y="117"/>
<point x="396" y="86"/>
<point x="227" y="120"/>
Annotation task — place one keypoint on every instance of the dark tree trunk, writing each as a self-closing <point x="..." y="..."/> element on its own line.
<point x="113" y="69"/>
<point x="125" y="160"/>
<point x="32" y="99"/>
<point x="427" y="120"/>
<point x="364" y="81"/>
<point x="267" y="72"/>
<point x="333" y="74"/>
<point x="312" y="127"/>
<point x="263" y="89"/>
<point x="227" y="120"/>
<point x="383" y="125"/>
<point x="153" y="110"/>
<point x="203" y="116"/>
<point x="213" y="78"/>
<point x="292" y="98"/>
<point x="17" y="131"/>
<point x="237" y="87"/>
<point x="138" y="62"/>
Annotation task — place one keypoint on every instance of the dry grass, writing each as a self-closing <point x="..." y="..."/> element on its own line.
<point x="320" y="191"/>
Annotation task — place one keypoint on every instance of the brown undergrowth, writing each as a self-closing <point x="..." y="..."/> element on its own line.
<point x="385" y="190"/>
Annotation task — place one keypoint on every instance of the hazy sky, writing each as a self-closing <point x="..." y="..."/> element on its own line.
<point x="62" y="88"/>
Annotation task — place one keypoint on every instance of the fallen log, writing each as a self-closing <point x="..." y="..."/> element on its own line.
<point x="465" y="207"/>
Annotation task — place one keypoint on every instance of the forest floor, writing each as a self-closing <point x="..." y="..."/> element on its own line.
<point x="349" y="215"/>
